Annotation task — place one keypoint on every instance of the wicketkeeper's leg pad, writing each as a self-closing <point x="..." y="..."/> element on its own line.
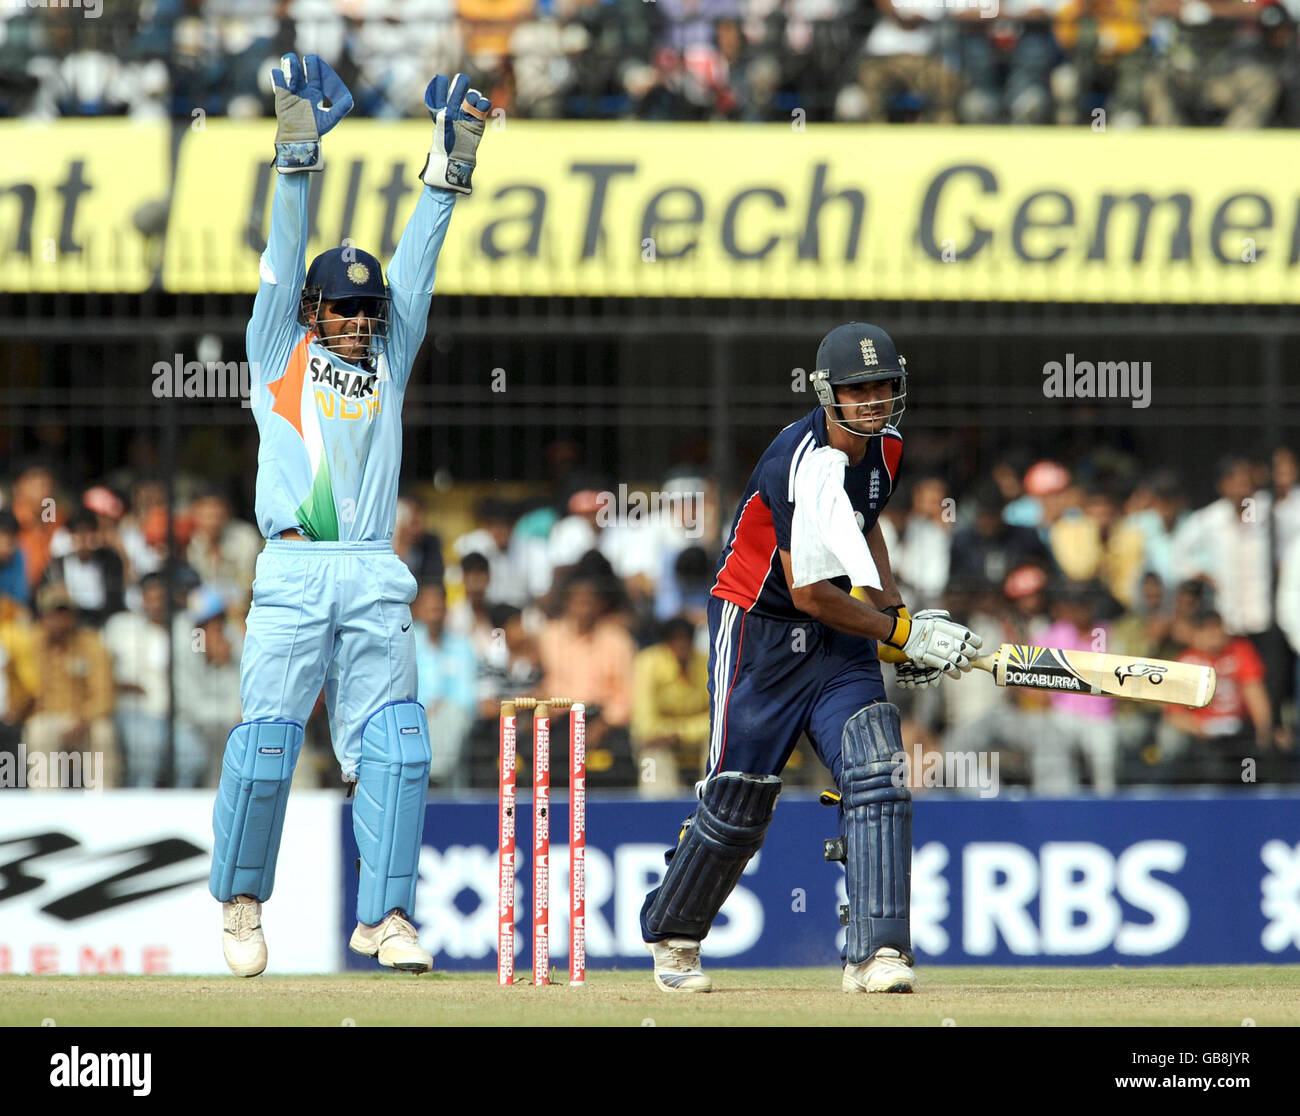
<point x="877" y="821"/>
<point x="718" y="840"/>
<point x="248" y="817"/>
<point x="388" y="812"/>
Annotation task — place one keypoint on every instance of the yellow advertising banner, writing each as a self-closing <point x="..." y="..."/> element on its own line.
<point x="83" y="204"/>
<point x="620" y="208"/>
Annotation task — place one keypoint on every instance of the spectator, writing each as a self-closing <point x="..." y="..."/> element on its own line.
<point x="207" y="679"/>
<point x="1080" y="722"/>
<point x="510" y="668"/>
<point x="35" y="508"/>
<point x="91" y="572"/>
<point x="1098" y="545"/>
<point x="469" y="617"/>
<point x="1156" y="523"/>
<point x="1238" y="724"/>
<point x="902" y="73"/>
<point x="20" y="672"/>
<point x="492" y="539"/>
<point x="686" y="589"/>
<point x="1226" y="543"/>
<point x="922" y="559"/>
<point x="1215" y="65"/>
<point x="588" y="656"/>
<point x="140" y="646"/>
<point x="447" y="671"/>
<point x="990" y="548"/>
<point x="72" y="706"/>
<point x="1105" y="67"/>
<point x="670" y="711"/>
<point x="13" y="563"/>
<point x="222" y="550"/>
<point x="419" y="548"/>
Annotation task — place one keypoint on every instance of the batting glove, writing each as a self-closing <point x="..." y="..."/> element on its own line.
<point x="301" y="116"/>
<point x="919" y="676"/>
<point x="458" y="115"/>
<point x="931" y="640"/>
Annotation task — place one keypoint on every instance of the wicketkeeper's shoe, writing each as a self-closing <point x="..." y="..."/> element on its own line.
<point x="677" y="966"/>
<point x="887" y="971"/>
<point x="243" y="942"/>
<point x="394" y="942"/>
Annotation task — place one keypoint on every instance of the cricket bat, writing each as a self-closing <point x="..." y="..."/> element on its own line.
<point x="1091" y="672"/>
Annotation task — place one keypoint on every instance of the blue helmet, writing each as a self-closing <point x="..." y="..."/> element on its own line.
<point x="858" y="353"/>
<point x="355" y="280"/>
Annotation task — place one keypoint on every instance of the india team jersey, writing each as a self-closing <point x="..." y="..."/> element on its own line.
<point x="331" y="431"/>
<point x="750" y="573"/>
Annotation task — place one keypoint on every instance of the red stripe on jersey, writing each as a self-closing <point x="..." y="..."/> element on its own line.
<point x="891" y="449"/>
<point x="742" y="575"/>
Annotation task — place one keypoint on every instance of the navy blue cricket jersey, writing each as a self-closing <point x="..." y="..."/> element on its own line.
<point x="750" y="574"/>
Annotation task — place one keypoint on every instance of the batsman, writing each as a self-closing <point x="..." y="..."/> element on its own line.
<point x="332" y="346"/>
<point x="793" y="652"/>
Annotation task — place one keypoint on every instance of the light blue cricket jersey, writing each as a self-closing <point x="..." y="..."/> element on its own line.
<point x="331" y="432"/>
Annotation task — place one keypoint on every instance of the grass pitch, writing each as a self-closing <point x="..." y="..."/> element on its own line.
<point x="967" y="997"/>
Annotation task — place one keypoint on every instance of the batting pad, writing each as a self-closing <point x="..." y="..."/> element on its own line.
<point x="719" y="839"/>
<point x="388" y="813"/>
<point x="877" y="818"/>
<point x="248" y="816"/>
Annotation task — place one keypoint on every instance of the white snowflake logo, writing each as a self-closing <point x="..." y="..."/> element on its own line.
<point x="1281" y="891"/>
<point x="929" y="899"/>
<point x="444" y="928"/>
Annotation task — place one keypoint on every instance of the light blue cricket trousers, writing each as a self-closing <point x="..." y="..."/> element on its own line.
<point x="335" y="614"/>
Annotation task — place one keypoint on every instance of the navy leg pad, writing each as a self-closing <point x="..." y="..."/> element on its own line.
<point x="388" y="813"/>
<point x="877" y="820"/>
<point x="725" y="831"/>
<point x="248" y="817"/>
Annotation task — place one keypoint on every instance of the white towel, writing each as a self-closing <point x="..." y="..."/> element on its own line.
<point x="826" y="540"/>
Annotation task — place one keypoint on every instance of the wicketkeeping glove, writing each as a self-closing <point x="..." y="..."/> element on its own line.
<point x="458" y="116"/>
<point x="931" y="640"/>
<point x="302" y="118"/>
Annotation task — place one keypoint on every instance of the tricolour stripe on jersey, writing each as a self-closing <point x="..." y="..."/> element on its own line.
<point x="721" y="643"/>
<point x="752" y="546"/>
<point x="891" y="449"/>
<point x="724" y="680"/>
<point x="794" y="463"/>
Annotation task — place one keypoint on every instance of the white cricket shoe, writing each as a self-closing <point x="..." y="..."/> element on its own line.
<point x="887" y="971"/>
<point x="243" y="942"/>
<point x="677" y="966"/>
<point x="394" y="941"/>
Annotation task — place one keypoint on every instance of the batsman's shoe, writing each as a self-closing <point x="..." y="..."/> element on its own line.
<point x="887" y="971"/>
<point x="677" y="966"/>
<point x="394" y="942"/>
<point x="243" y="942"/>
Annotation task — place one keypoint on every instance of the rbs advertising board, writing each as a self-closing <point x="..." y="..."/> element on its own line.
<point x="1191" y="879"/>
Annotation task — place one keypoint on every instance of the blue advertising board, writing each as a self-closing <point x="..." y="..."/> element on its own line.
<point x="1187" y="878"/>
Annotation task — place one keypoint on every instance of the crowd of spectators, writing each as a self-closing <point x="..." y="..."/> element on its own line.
<point x="120" y="632"/>
<point x="1159" y="62"/>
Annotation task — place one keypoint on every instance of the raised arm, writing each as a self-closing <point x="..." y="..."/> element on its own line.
<point x="301" y="88"/>
<point x="458" y="119"/>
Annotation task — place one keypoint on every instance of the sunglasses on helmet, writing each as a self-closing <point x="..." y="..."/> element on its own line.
<point x="351" y="307"/>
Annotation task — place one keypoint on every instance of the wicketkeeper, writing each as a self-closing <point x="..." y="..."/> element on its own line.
<point x="792" y="652"/>
<point x="332" y="347"/>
